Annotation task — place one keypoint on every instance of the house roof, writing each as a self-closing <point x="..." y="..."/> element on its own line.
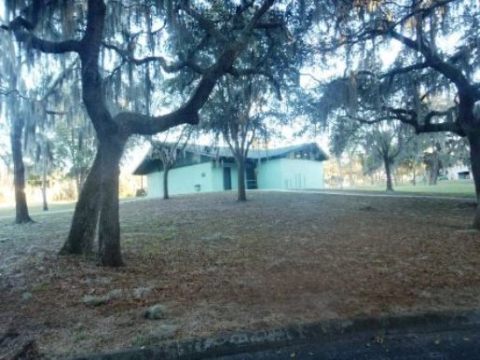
<point x="208" y="153"/>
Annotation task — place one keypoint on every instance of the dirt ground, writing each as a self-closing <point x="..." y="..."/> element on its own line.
<point x="216" y="266"/>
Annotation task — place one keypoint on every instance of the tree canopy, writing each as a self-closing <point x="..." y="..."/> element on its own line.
<point x="142" y="67"/>
<point x="430" y="82"/>
<point x="126" y="52"/>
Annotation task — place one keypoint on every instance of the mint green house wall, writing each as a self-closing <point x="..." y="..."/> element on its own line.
<point x="217" y="177"/>
<point x="290" y="174"/>
<point x="184" y="180"/>
<point x="269" y="174"/>
<point x="277" y="174"/>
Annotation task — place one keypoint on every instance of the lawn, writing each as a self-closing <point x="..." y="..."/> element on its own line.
<point x="216" y="266"/>
<point x="7" y="211"/>
<point x="459" y="188"/>
<point x="36" y="209"/>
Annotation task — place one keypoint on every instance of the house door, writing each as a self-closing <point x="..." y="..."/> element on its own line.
<point x="227" y="178"/>
<point x="251" y="177"/>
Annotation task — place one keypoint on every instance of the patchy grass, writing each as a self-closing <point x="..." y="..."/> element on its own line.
<point x="7" y="211"/>
<point x="219" y="266"/>
<point x="458" y="188"/>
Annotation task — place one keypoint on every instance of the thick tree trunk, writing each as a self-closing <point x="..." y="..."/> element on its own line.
<point x="44" y="182"/>
<point x="85" y="218"/>
<point x="414" y="176"/>
<point x="388" y="173"/>
<point x="474" y="140"/>
<point x="242" y="194"/>
<point x="434" y="169"/>
<point x="44" y="197"/>
<point x="111" y="150"/>
<point x="21" y="208"/>
<point x="80" y="178"/>
<point x="165" y="183"/>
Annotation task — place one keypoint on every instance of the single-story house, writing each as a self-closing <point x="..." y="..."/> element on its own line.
<point x="456" y="172"/>
<point x="207" y="169"/>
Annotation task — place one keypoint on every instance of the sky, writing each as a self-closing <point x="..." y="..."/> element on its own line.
<point x="133" y="158"/>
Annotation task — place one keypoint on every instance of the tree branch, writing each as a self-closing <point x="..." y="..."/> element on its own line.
<point x="170" y="68"/>
<point x="403" y="70"/>
<point x="410" y="117"/>
<point x="93" y="92"/>
<point x="134" y="123"/>
<point x="205" y="24"/>
<point x="434" y="61"/>
<point x="22" y="29"/>
<point x="255" y="71"/>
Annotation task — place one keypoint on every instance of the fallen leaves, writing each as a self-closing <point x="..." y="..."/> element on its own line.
<point x="278" y="259"/>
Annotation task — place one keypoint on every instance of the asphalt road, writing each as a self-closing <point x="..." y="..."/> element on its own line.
<point x="418" y="344"/>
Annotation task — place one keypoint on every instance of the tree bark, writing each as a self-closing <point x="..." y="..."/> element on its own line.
<point x="21" y="209"/>
<point x="44" y="197"/>
<point x="242" y="194"/>
<point x="109" y="226"/>
<point x="434" y="169"/>
<point x="414" y="177"/>
<point x="165" y="183"/>
<point x="44" y="181"/>
<point x="85" y="217"/>
<point x="110" y="134"/>
<point x="474" y="140"/>
<point x="80" y="179"/>
<point x="388" y="173"/>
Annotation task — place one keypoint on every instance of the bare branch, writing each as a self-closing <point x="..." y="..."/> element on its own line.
<point x="404" y="70"/>
<point x="434" y="61"/>
<point x="170" y="68"/>
<point x="205" y="24"/>
<point x="134" y="123"/>
<point x="255" y="71"/>
<point x="23" y="31"/>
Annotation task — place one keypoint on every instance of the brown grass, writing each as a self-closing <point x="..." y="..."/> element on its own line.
<point x="219" y="266"/>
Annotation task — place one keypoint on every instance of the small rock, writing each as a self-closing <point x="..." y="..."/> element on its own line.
<point x="141" y="292"/>
<point x="103" y="280"/>
<point x="155" y="312"/>
<point x="26" y="296"/>
<point x="100" y="280"/>
<point x="164" y="331"/>
<point x="115" y="294"/>
<point x="156" y="335"/>
<point x="425" y="294"/>
<point x="92" y="300"/>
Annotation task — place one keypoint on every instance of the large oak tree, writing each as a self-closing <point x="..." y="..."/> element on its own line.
<point x="199" y="40"/>
<point x="431" y="85"/>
